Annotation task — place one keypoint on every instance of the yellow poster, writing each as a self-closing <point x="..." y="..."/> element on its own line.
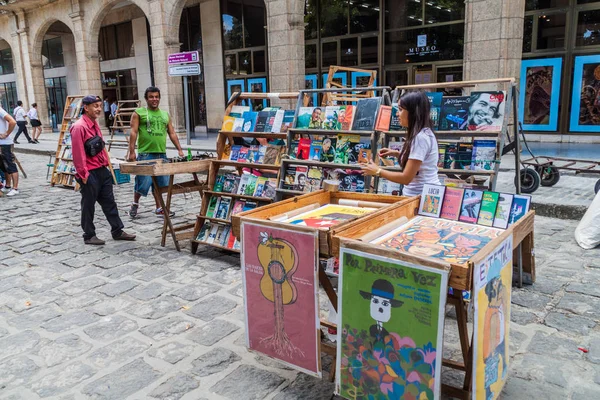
<point x="329" y="215"/>
<point x="493" y="282"/>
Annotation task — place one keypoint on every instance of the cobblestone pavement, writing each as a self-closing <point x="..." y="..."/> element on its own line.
<point x="137" y="321"/>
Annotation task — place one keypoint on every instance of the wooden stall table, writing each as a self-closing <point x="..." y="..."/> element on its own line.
<point x="158" y="167"/>
<point x="461" y="274"/>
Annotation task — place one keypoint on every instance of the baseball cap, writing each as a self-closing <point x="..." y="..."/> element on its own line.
<point x="90" y="99"/>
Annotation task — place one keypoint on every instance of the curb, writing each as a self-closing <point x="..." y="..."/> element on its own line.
<point x="559" y="211"/>
<point x="34" y="151"/>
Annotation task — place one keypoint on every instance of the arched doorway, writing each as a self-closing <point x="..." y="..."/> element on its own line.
<point x="8" y="79"/>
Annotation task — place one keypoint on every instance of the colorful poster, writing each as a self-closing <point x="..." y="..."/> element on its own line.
<point x="585" y="101"/>
<point x="391" y="315"/>
<point x="329" y="215"/>
<point x="279" y="270"/>
<point x="450" y="241"/>
<point x="493" y="280"/>
<point x="539" y="94"/>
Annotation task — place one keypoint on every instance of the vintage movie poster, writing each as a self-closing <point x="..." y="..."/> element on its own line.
<point x="493" y="282"/>
<point x="450" y="241"/>
<point x="585" y="101"/>
<point x="279" y="270"/>
<point x="540" y="94"/>
<point x="329" y="215"/>
<point x="390" y="329"/>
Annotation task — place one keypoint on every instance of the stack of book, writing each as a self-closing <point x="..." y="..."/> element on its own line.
<point x="269" y="120"/>
<point x="248" y="184"/>
<point x="342" y="149"/>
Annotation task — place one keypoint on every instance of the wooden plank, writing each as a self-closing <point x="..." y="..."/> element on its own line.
<point x="259" y="96"/>
<point x="229" y="163"/>
<point x="161" y="168"/>
<point x="255" y="134"/>
<point x="218" y="246"/>
<point x="457" y="84"/>
<point x="239" y="196"/>
<point x="324" y="132"/>
<point x="522" y="228"/>
<point x="457" y="134"/>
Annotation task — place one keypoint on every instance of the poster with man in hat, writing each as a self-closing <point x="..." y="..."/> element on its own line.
<point x="391" y="321"/>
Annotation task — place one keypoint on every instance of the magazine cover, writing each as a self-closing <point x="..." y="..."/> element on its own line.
<point x="435" y="102"/>
<point x="328" y="149"/>
<point x="431" y="200"/>
<point x="351" y="180"/>
<point x="304" y="117"/>
<point x="316" y="147"/>
<point x="484" y="155"/>
<point x="366" y="114"/>
<point x="503" y="211"/>
<point x="238" y="111"/>
<point x="395" y="120"/>
<point x="300" y="178"/>
<point x="331" y="121"/>
<point x="344" y="147"/>
<point x="520" y="207"/>
<point x="384" y="119"/>
<point x="471" y="205"/>
<point x="329" y="215"/>
<point x="238" y="124"/>
<point x="249" y="121"/>
<point x="346" y="117"/>
<point x="486" y="111"/>
<point x="277" y="121"/>
<point x="454" y="113"/>
<point x="288" y="120"/>
<point x="452" y="202"/>
<point x="489" y="204"/>
<point x="227" y="124"/>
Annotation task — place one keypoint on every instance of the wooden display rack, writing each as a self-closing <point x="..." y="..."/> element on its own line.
<point x="225" y="140"/>
<point x="491" y="176"/>
<point x="461" y="275"/>
<point x="156" y="168"/>
<point x="122" y="121"/>
<point x="348" y="95"/>
<point x="63" y="151"/>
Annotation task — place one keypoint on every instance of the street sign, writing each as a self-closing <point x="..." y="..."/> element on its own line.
<point x="184" y="70"/>
<point x="184" y="58"/>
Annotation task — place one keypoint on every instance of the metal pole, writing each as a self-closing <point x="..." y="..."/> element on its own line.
<point x="186" y="101"/>
<point x="517" y="138"/>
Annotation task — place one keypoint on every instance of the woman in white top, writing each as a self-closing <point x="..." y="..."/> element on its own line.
<point x="35" y="122"/>
<point x="419" y="155"/>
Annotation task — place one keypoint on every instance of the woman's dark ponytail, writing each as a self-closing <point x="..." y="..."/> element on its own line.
<point x="417" y="105"/>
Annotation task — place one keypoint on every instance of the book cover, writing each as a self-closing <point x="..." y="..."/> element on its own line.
<point x="364" y="155"/>
<point x="270" y="121"/>
<point x="294" y="148"/>
<point x="303" y="152"/>
<point x="210" y="211"/>
<point x="346" y="117"/>
<point x="251" y="185"/>
<point x="450" y="156"/>
<point x="454" y="113"/>
<point x="272" y="154"/>
<point x="316" y="147"/>
<point x="253" y="153"/>
<point x="235" y="152"/>
<point x="345" y="146"/>
<point x="356" y="148"/>
<point x="229" y="183"/>
<point x="315" y="177"/>
<point x="435" y="103"/>
<point x="213" y="233"/>
<point x="227" y="124"/>
<point x="289" y="178"/>
<point x="304" y="117"/>
<point x="328" y="149"/>
<point x="262" y="150"/>
<point x="261" y="121"/>
<point x="277" y="121"/>
<point x="471" y="204"/>
<point x="236" y="183"/>
<point x="288" y="120"/>
<point x="464" y="156"/>
<point x="484" y="155"/>
<point x="238" y="124"/>
<point x="243" y="154"/>
<point x="300" y="178"/>
<point x="204" y="231"/>
<point x="431" y="200"/>
<point x="486" y="111"/>
<point x="249" y="121"/>
<point x="260" y="186"/>
<point x="231" y="241"/>
<point x="350" y="180"/>
<point x="452" y="202"/>
<point x="384" y="119"/>
<point x="270" y="189"/>
<point x="441" y="154"/>
<point x="222" y="211"/>
<point x="520" y="207"/>
<point x="225" y="236"/>
<point x="250" y="205"/>
<point x="238" y="207"/>
<point x="243" y="182"/>
<point x="329" y="215"/>
<point x="366" y="113"/>
<point x="219" y="181"/>
<point x="502" y="216"/>
<point x="395" y="121"/>
<point x="219" y="236"/>
<point x="238" y="111"/>
<point x="331" y="121"/>
<point x="489" y="204"/>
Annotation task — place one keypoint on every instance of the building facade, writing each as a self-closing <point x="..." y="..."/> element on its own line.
<point x="116" y="48"/>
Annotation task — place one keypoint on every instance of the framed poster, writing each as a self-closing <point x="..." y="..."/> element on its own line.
<point x="279" y="271"/>
<point x="539" y="94"/>
<point x="361" y="79"/>
<point x="236" y="85"/>
<point x="585" y="100"/>
<point x="493" y="282"/>
<point x="310" y="82"/>
<point x="390" y="328"/>
<point x="258" y="85"/>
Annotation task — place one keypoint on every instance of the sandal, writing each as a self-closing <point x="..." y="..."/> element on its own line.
<point x="133" y="210"/>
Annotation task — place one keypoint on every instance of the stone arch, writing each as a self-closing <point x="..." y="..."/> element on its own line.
<point x="40" y="32"/>
<point x="173" y="11"/>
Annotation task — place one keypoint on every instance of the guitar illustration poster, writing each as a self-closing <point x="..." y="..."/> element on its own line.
<point x="390" y="330"/>
<point x="279" y="269"/>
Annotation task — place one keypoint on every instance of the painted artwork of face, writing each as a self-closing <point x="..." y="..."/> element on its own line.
<point x="381" y="309"/>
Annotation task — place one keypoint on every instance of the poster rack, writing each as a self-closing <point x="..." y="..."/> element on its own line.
<point x="63" y="172"/>
<point x="225" y="140"/>
<point x="471" y="176"/>
<point x="342" y="95"/>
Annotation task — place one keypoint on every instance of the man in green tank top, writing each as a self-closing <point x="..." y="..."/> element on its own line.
<point x="149" y="128"/>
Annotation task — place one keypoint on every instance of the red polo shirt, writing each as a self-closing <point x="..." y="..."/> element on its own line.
<point x="81" y="131"/>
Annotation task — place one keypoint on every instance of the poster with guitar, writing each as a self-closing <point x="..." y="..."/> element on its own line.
<point x="279" y="269"/>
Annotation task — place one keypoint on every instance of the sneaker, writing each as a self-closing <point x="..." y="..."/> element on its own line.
<point x="13" y="192"/>
<point x="94" y="241"/>
<point x="133" y="210"/>
<point x="36" y="141"/>
<point x="125" y="236"/>
<point x="160" y="212"/>
<point x="5" y="189"/>
<point x="15" y="142"/>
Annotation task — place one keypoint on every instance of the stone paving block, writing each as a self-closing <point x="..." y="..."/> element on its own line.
<point x="76" y="273"/>
<point x="70" y="321"/>
<point x="175" y="388"/>
<point x="214" y="361"/>
<point x="228" y="276"/>
<point x="114" y="261"/>
<point x="150" y="273"/>
<point x="84" y="260"/>
<point x="117" y="352"/>
<point x="172" y="352"/>
<point x="19" y="300"/>
<point x="3" y="332"/>
<point x="17" y="371"/>
<point x="11" y="282"/>
<point x="185" y="277"/>
<point x="123" y="382"/>
<point x="237" y="291"/>
<point x="522" y="315"/>
<point x="110" y="328"/>
<point x="115" y="289"/>
<point x="220" y="264"/>
<point x="166" y="328"/>
<point x="592" y="290"/>
<point x="548" y="369"/>
<point x="561" y="346"/>
<point x="111" y="306"/>
<point x="155" y="309"/>
<point x="122" y="271"/>
<point x="569" y="323"/>
<point x="82" y="285"/>
<point x="594" y="350"/>
<point x="529" y="299"/>
<point x="62" y="379"/>
<point x="82" y="300"/>
<point x="586" y="393"/>
<point x="517" y="388"/>
<point x="196" y="291"/>
<point x="148" y="292"/>
<point x="18" y="343"/>
<point x="63" y="349"/>
<point x="588" y="306"/>
<point x="35" y="316"/>
<point x="212" y="332"/>
<point x="305" y="387"/>
<point x="212" y="307"/>
<point x="247" y="382"/>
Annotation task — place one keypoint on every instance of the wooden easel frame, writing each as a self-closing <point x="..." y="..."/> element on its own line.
<point x="330" y="98"/>
<point x="122" y="121"/>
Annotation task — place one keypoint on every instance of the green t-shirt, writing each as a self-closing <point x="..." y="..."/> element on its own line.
<point x="152" y="132"/>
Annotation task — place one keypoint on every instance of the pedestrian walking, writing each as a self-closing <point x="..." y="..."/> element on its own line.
<point x="35" y="122"/>
<point x="106" y="108"/>
<point x="149" y="128"/>
<point x="91" y="163"/>
<point x="7" y="157"/>
<point x="20" y="117"/>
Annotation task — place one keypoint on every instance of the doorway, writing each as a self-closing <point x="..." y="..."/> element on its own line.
<point x="56" y="93"/>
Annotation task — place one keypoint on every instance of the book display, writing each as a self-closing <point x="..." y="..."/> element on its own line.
<point x="245" y="175"/>
<point x="64" y="171"/>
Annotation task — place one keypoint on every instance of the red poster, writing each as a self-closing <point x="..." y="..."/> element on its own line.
<point x="279" y="268"/>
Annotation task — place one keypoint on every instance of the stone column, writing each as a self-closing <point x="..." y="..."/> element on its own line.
<point x="212" y="58"/>
<point x="285" y="25"/>
<point x="493" y="39"/>
<point x="18" y="65"/>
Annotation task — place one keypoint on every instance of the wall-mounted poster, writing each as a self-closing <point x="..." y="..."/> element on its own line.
<point x="258" y="85"/>
<point x="493" y="280"/>
<point x="310" y="82"/>
<point x="539" y="94"/>
<point x="585" y="101"/>
<point x="279" y="270"/>
<point x="390" y="331"/>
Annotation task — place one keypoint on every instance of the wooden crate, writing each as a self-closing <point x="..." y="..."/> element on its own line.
<point x="161" y="168"/>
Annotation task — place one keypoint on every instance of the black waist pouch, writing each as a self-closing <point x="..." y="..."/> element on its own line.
<point x="93" y="146"/>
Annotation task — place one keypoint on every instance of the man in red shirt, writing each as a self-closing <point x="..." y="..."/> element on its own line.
<point x="94" y="176"/>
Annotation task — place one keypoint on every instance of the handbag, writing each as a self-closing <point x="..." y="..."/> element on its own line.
<point x="94" y="146"/>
